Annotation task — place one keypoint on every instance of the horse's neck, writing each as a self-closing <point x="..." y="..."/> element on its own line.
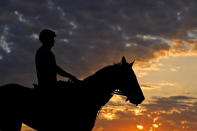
<point x="101" y="85"/>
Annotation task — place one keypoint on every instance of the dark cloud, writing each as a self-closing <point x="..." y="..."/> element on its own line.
<point x="148" y="86"/>
<point x="91" y="34"/>
<point x="94" y="33"/>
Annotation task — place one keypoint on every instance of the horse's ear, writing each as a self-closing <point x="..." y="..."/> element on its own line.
<point x="124" y="61"/>
<point x="131" y="64"/>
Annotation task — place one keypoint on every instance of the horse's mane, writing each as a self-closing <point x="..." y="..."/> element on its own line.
<point x="104" y="70"/>
<point x="100" y="73"/>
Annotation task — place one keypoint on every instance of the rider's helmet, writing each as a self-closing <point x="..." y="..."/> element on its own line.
<point x="46" y="34"/>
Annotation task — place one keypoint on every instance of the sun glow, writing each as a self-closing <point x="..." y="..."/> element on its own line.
<point x="109" y="116"/>
<point x="137" y="112"/>
<point x="140" y="127"/>
<point x="155" y="119"/>
<point x="155" y="125"/>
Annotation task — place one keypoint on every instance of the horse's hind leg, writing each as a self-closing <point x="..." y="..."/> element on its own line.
<point x="10" y="125"/>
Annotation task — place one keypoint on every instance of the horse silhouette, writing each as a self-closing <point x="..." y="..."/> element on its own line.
<point x="74" y="107"/>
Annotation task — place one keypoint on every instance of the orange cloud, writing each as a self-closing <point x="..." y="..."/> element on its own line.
<point x="26" y="128"/>
<point x="177" y="47"/>
<point x="161" y="114"/>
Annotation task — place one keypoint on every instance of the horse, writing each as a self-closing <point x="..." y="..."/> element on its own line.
<point x="74" y="107"/>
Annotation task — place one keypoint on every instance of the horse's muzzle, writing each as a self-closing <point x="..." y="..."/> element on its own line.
<point x="136" y="100"/>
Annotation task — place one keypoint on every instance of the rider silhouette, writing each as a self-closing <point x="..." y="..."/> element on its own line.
<point x="46" y="64"/>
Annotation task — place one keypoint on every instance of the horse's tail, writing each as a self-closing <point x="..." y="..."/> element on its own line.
<point x="9" y="108"/>
<point x="12" y="98"/>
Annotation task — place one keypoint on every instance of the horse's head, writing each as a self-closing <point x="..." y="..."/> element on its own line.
<point x="129" y="85"/>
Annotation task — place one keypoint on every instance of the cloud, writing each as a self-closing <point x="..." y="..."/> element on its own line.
<point x="164" y="113"/>
<point x="148" y="87"/>
<point x="93" y="34"/>
<point x="166" y="84"/>
<point x="26" y="128"/>
<point x="3" y="40"/>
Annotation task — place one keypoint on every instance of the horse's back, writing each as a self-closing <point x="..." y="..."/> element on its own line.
<point x="13" y="91"/>
<point x="13" y="98"/>
<point x="13" y="87"/>
<point x="41" y="110"/>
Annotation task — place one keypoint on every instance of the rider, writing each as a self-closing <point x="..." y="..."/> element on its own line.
<point x="46" y="64"/>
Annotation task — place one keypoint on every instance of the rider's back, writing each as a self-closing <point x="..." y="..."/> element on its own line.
<point x="46" y="68"/>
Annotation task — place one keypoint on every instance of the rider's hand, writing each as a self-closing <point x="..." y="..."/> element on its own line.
<point x="73" y="78"/>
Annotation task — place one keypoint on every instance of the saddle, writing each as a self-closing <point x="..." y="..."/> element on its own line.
<point x="62" y="84"/>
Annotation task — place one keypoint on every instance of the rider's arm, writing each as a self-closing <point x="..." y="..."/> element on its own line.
<point x="62" y="72"/>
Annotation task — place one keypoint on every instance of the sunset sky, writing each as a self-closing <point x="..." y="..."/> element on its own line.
<point x="160" y="35"/>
